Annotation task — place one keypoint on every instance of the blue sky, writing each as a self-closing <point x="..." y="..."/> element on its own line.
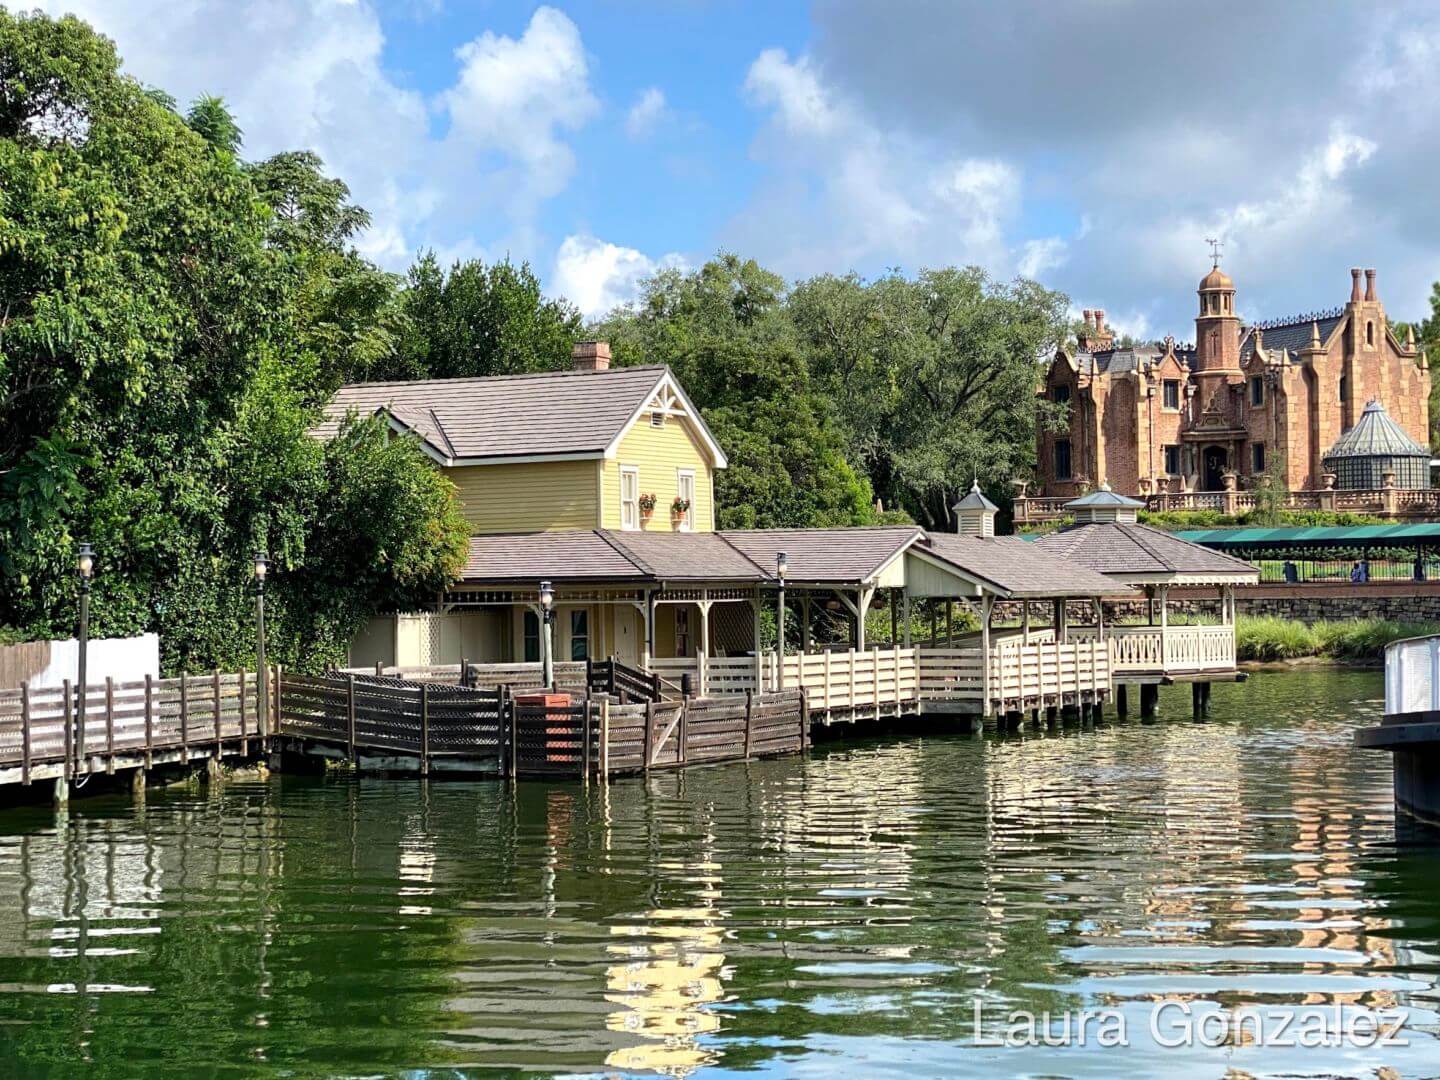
<point x="1093" y="144"/>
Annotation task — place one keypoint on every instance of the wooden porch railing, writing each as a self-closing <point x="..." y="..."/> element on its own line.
<point x="1142" y="650"/>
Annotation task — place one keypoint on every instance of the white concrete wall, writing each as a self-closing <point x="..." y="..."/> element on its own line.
<point x="121" y="659"/>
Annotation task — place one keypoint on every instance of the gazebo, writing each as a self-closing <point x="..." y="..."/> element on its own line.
<point x="1107" y="537"/>
<point x="1375" y="446"/>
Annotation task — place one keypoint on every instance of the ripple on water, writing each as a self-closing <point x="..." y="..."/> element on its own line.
<point x="848" y="909"/>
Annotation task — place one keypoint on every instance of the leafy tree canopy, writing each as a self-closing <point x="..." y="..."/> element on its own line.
<point x="161" y="348"/>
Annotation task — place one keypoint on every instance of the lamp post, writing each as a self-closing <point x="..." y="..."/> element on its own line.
<point x="547" y="643"/>
<point x="262" y="671"/>
<point x="85" y="569"/>
<point x="782" y="561"/>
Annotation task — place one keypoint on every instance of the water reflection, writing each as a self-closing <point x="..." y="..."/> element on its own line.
<point x="846" y="910"/>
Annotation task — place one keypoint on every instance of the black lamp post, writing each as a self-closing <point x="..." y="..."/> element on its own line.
<point x="85" y="569"/>
<point x="782" y="561"/>
<point x="262" y="673"/>
<point x="547" y="643"/>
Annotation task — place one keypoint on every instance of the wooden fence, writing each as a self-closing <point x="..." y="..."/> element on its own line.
<point x="126" y="723"/>
<point x="536" y="734"/>
<point x="377" y="714"/>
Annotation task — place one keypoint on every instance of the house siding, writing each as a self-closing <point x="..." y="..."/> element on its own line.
<point x="660" y="454"/>
<point x="532" y="497"/>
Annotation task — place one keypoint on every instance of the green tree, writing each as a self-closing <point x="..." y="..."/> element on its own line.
<point x="933" y="378"/>
<point x="210" y="118"/>
<point x="478" y="320"/>
<point x="725" y="331"/>
<point x="158" y="381"/>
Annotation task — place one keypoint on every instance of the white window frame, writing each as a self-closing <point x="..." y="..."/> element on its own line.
<point x="630" y="507"/>
<point x="687" y="521"/>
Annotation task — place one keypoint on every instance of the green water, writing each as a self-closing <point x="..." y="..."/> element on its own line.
<point x="839" y="912"/>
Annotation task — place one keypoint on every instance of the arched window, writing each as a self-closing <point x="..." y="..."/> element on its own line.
<point x="1370" y="334"/>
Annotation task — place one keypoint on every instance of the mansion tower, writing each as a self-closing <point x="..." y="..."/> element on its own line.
<point x="1243" y="399"/>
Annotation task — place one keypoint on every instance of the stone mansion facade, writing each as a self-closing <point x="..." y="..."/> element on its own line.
<point x="1276" y="394"/>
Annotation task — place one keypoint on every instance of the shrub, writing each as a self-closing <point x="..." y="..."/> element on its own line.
<point x="1269" y="637"/>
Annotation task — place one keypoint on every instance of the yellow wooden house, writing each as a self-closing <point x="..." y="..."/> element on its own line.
<point x="592" y="451"/>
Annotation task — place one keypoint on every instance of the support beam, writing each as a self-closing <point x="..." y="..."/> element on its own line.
<point x="863" y="597"/>
<point x="1122" y="699"/>
<point x="1149" y="699"/>
<point x="702" y="655"/>
<point x="805" y="623"/>
<point x="905" y="614"/>
<point x="987" y="608"/>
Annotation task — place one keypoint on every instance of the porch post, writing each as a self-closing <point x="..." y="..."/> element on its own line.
<point x="1025" y="621"/>
<point x="949" y="623"/>
<point x="863" y="596"/>
<point x="703" y="655"/>
<point x="1100" y="617"/>
<point x="780" y="636"/>
<point x="1227" y="594"/>
<point x="648" y="645"/>
<point x="759" y="654"/>
<point x="805" y="625"/>
<point x="1163" y="592"/>
<point x="987" y="606"/>
<point x="905" y="613"/>
<point x="894" y="620"/>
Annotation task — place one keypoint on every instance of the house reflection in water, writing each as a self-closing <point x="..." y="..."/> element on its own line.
<point x="668" y="969"/>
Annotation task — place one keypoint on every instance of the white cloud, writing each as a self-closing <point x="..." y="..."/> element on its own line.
<point x="646" y="114"/>
<point x="844" y="192"/>
<point x="1038" y="257"/>
<point x="597" y="276"/>
<point x="517" y="97"/>
<point x="312" y="76"/>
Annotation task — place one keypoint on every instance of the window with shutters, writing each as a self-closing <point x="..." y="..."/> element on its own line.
<point x="685" y="492"/>
<point x="629" y="497"/>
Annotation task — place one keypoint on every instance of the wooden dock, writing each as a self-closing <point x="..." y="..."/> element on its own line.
<point x="44" y="735"/>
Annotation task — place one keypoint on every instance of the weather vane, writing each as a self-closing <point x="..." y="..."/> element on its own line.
<point x="1214" y="251"/>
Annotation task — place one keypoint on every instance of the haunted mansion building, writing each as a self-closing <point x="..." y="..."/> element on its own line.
<point x="1276" y="395"/>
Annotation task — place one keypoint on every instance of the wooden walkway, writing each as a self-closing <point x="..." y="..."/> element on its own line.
<point x="125" y="725"/>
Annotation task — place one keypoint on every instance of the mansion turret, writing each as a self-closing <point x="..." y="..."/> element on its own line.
<point x="1276" y="394"/>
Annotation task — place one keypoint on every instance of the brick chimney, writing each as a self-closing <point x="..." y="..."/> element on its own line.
<point x="591" y="356"/>
<point x="1355" y="285"/>
<point x="1370" y="285"/>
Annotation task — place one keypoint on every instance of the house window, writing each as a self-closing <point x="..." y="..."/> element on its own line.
<point x="1257" y="457"/>
<point x="1061" y="394"/>
<point x="629" y="497"/>
<point x="580" y="634"/>
<point x="682" y="631"/>
<point x="1062" y="459"/>
<point x="685" y="490"/>
<point x="1172" y="460"/>
<point x="1172" y="394"/>
<point x="532" y="638"/>
<point x="1257" y="391"/>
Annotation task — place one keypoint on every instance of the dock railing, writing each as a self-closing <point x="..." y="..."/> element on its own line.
<point x="126" y="724"/>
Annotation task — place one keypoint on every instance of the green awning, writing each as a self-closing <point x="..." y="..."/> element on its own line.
<point x="1419" y="534"/>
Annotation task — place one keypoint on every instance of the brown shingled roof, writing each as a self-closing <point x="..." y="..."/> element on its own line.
<point x="547" y="413"/>
<point x="831" y="555"/>
<point x="680" y="556"/>
<point x="1018" y="567"/>
<point x="1139" y="550"/>
<point x="581" y="555"/>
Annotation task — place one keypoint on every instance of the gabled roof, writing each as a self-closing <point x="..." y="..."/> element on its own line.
<point x="1376" y="435"/>
<point x="1141" y="552"/>
<point x="851" y="556"/>
<point x="557" y="414"/>
<point x="1013" y="567"/>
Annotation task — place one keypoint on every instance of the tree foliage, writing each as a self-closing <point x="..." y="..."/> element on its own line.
<point x="162" y="354"/>
<point x="725" y="331"/>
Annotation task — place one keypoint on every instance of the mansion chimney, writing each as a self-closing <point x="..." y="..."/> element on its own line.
<point x="1355" y="284"/>
<point x="591" y="356"/>
<point x="1370" y="285"/>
